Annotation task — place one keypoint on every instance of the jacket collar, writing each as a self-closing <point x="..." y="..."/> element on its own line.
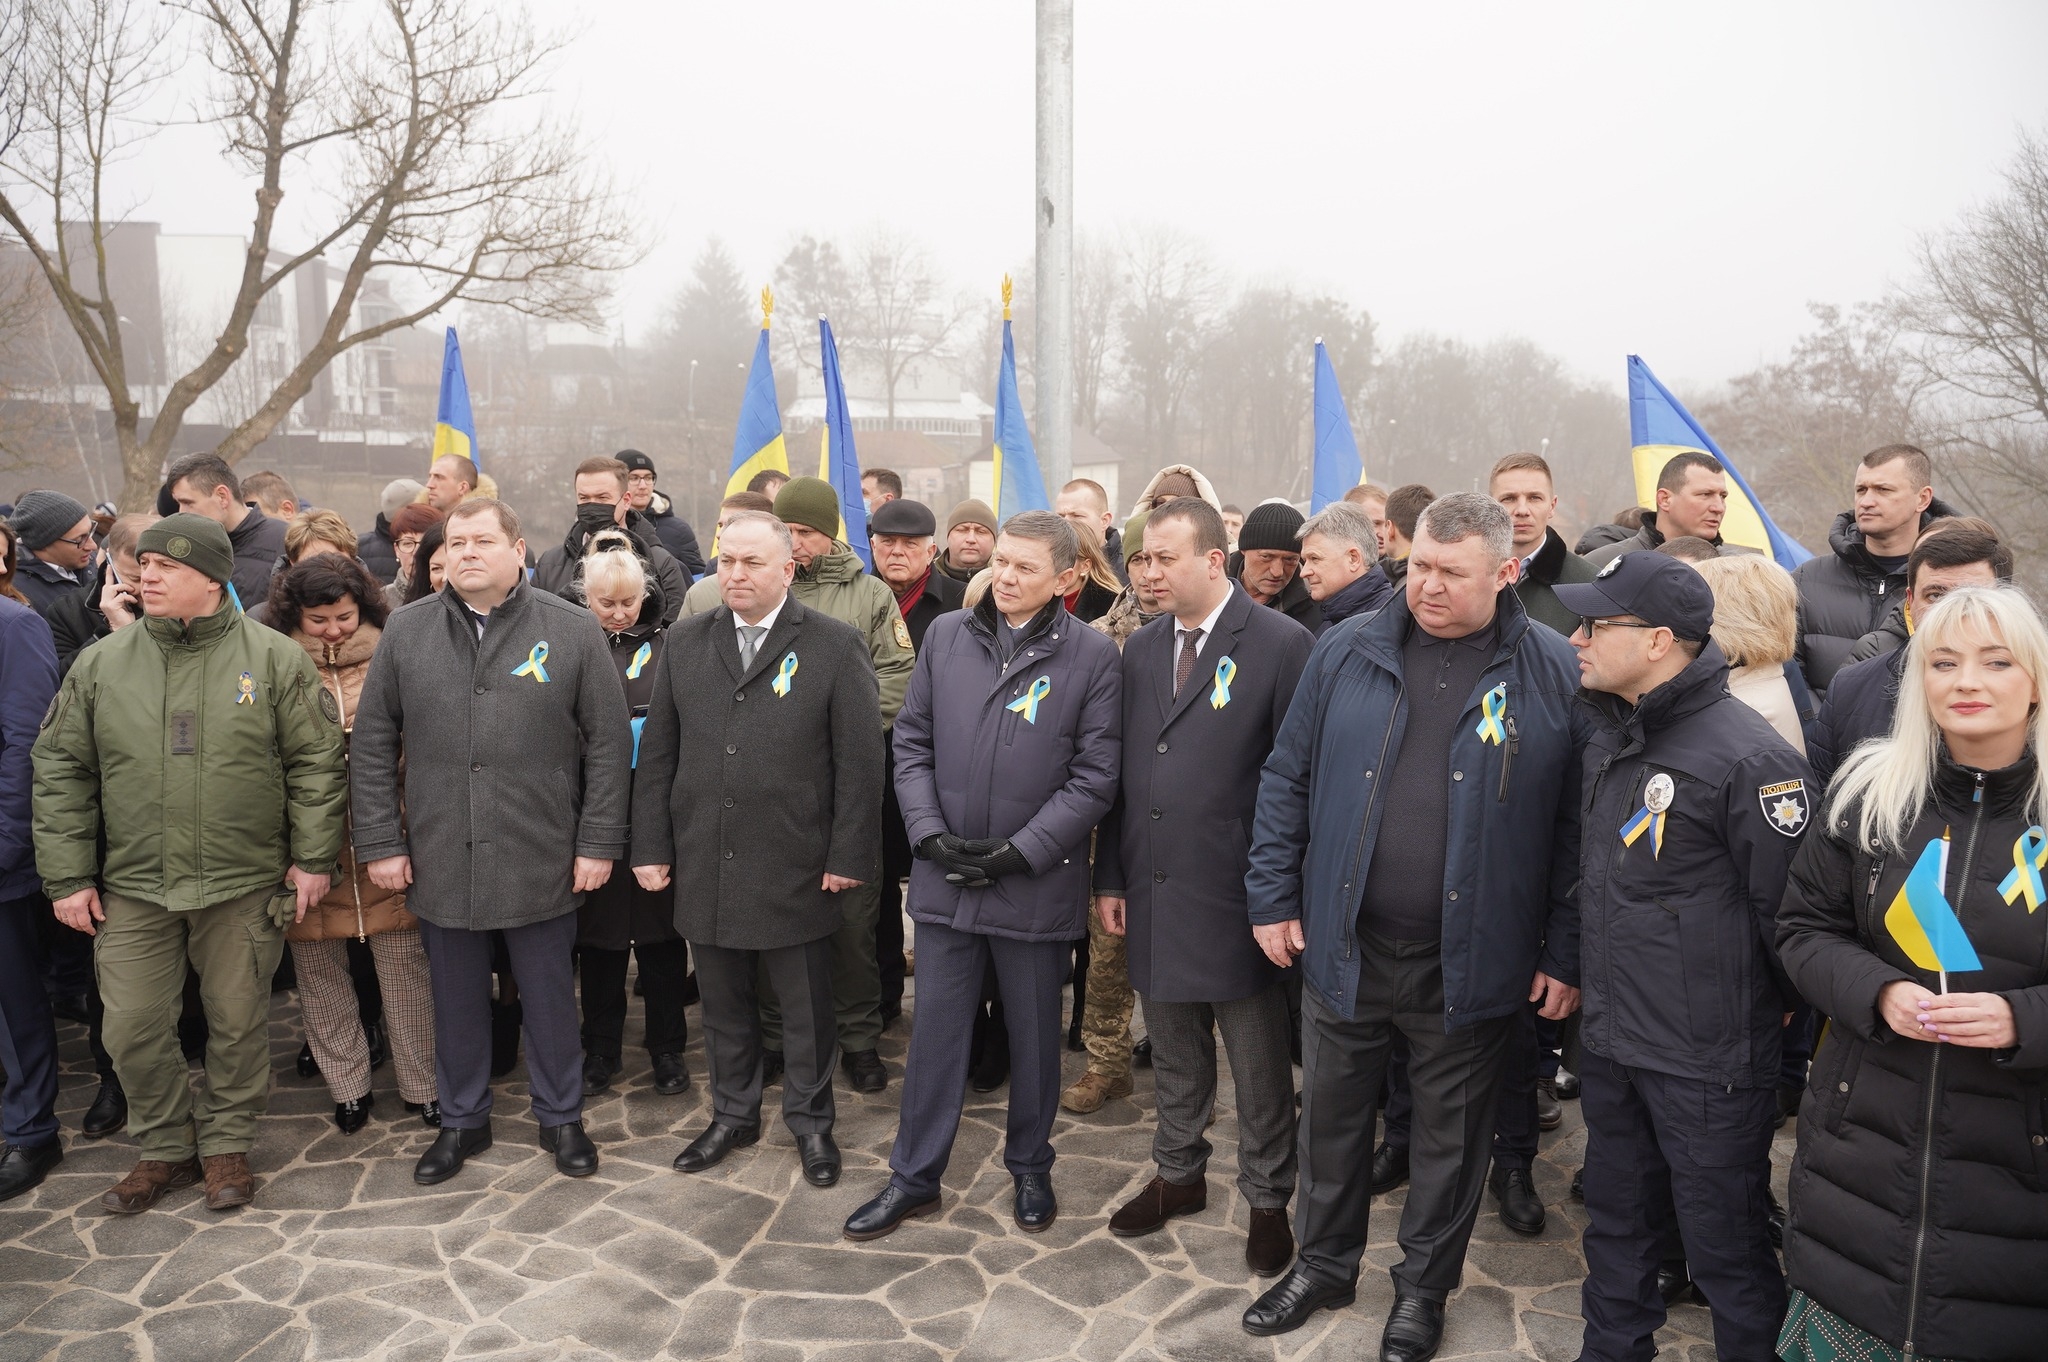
<point x="251" y="526"/>
<point x="1704" y="681"/>
<point x="726" y="639"/>
<point x="1383" y="633"/>
<point x="1367" y="593"/>
<point x="353" y="651"/>
<point x="2006" y="790"/>
<point x="1548" y="560"/>
<point x="840" y="565"/>
<point x="1849" y="545"/>
<point x="198" y="633"/>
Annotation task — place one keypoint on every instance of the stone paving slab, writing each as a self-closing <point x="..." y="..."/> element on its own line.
<point x="344" y="1257"/>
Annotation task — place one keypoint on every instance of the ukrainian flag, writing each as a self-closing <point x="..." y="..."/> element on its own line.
<point x="1338" y="468"/>
<point x="1659" y="426"/>
<point x="1921" y="920"/>
<point x="1019" y="486"/>
<point x="838" y="463"/>
<point x="757" y="443"/>
<point x="454" y="425"/>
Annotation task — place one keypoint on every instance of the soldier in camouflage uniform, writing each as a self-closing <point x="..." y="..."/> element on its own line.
<point x="1106" y="1013"/>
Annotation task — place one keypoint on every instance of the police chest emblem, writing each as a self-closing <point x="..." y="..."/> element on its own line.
<point x="1784" y="806"/>
<point x="1657" y="795"/>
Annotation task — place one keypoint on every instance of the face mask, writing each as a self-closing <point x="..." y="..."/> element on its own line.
<point x="594" y="516"/>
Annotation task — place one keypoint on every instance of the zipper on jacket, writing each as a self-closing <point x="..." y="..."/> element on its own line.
<point x="1358" y="869"/>
<point x="1507" y="758"/>
<point x="1933" y="1093"/>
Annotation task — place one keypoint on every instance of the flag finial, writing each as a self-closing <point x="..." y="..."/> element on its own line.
<point x="1006" y="297"/>
<point x="767" y="306"/>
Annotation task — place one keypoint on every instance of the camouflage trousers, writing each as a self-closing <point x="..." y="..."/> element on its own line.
<point x="1106" y="1015"/>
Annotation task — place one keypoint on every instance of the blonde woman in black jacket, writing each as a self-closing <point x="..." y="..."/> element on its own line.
<point x="1919" y="1205"/>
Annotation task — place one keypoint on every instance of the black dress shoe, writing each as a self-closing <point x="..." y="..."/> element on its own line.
<point x="864" y="1070"/>
<point x="1036" y="1207"/>
<point x="575" y="1155"/>
<point x="671" y="1075"/>
<point x="1141" y="1053"/>
<point x="380" y="1049"/>
<point x="1389" y="1168"/>
<point x="1288" y="1304"/>
<point x="1674" y="1280"/>
<point x="820" y="1157"/>
<point x="882" y="1215"/>
<point x="444" y="1157"/>
<point x="309" y="1067"/>
<point x="597" y="1074"/>
<point x="353" y="1116"/>
<point x="690" y="993"/>
<point x="1415" y="1329"/>
<point x="1521" y="1210"/>
<point x="1549" y="1115"/>
<point x="1565" y="1087"/>
<point x="108" y="1112"/>
<point x="771" y="1067"/>
<point x="23" y="1169"/>
<point x="1774" y="1219"/>
<point x="428" y="1112"/>
<point x="1579" y="1184"/>
<point x="713" y="1145"/>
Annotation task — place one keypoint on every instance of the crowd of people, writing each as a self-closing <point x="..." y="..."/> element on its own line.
<point x="1381" y="797"/>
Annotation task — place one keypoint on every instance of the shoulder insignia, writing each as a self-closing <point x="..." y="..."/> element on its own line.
<point x="1784" y="805"/>
<point x="902" y="634"/>
<point x="329" y="707"/>
<point x="50" y="714"/>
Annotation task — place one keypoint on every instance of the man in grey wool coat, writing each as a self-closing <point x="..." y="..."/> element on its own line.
<point x="758" y="769"/>
<point x="506" y="705"/>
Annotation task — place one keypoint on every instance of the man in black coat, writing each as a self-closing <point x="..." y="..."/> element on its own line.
<point x="674" y="532"/>
<point x="1267" y="563"/>
<point x="903" y="536"/>
<point x="1846" y="593"/>
<point x="601" y="501"/>
<point x="377" y="546"/>
<point x="204" y="485"/>
<point x="756" y="790"/>
<point x="1202" y="699"/>
<point x="1694" y="807"/>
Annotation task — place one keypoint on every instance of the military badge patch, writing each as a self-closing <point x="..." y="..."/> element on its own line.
<point x="329" y="707"/>
<point x="902" y="634"/>
<point x="1785" y="806"/>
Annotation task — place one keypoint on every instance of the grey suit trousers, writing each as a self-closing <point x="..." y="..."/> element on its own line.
<point x="1184" y="1069"/>
<point x="727" y="982"/>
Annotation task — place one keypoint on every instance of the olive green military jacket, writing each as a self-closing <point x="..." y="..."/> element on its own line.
<point x="188" y="764"/>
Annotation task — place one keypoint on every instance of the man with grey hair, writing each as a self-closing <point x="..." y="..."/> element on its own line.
<point x="1426" y="889"/>
<point x="1338" y="548"/>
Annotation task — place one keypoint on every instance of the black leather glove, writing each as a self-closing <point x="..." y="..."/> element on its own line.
<point x="954" y="856"/>
<point x="992" y="860"/>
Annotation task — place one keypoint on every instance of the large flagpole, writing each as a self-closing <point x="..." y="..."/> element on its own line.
<point x="1053" y="359"/>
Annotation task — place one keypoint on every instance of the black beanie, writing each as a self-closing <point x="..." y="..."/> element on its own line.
<point x="1274" y="525"/>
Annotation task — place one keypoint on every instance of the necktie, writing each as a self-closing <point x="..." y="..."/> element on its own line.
<point x="1190" y="639"/>
<point x="750" y="643"/>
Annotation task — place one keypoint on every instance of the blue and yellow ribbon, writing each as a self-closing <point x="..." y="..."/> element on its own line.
<point x="1645" y="820"/>
<point x="780" y="685"/>
<point x="2029" y="855"/>
<point x="1027" y="703"/>
<point x="639" y="662"/>
<point x="245" y="689"/>
<point x="1495" y="706"/>
<point x="1219" y="694"/>
<point x="535" y="665"/>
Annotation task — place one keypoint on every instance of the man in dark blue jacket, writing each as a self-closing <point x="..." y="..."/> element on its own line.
<point x="1338" y="550"/>
<point x="1007" y="754"/>
<point x="1204" y="697"/>
<point x="28" y="1029"/>
<point x="1416" y="844"/>
<point x="1695" y="807"/>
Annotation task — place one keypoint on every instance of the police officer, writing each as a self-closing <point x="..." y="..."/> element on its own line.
<point x="1695" y="806"/>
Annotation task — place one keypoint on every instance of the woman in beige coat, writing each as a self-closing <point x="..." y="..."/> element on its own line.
<point x="1756" y="610"/>
<point x="335" y="610"/>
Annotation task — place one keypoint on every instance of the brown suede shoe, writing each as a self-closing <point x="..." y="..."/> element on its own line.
<point x="1271" y="1246"/>
<point x="1091" y="1090"/>
<point x="229" y="1183"/>
<point x="146" y="1185"/>
<point x="1158" y="1203"/>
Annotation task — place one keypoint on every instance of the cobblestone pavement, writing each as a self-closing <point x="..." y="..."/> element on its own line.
<point x="342" y="1256"/>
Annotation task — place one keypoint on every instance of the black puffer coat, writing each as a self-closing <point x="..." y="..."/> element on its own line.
<point x="620" y="913"/>
<point x="1919" y="1206"/>
<point x="1844" y="595"/>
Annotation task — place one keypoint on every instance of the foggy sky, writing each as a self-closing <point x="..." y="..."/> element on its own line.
<point x="1675" y="181"/>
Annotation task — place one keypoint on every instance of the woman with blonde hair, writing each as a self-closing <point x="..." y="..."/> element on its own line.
<point x="1912" y="919"/>
<point x="1099" y="585"/>
<point x="1756" y="622"/>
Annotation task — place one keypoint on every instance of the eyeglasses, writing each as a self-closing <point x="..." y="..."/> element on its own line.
<point x="1589" y="625"/>
<point x="408" y="542"/>
<point x="84" y="541"/>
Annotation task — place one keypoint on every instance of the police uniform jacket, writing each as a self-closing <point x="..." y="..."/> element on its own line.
<point x="1920" y="1189"/>
<point x="1178" y="844"/>
<point x="1513" y="835"/>
<point x="1678" y="924"/>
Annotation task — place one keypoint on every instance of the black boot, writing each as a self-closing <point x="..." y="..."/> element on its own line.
<point x="109" y="1110"/>
<point x="445" y="1156"/>
<point x="1520" y="1208"/>
<point x="353" y="1116"/>
<point x="309" y="1067"/>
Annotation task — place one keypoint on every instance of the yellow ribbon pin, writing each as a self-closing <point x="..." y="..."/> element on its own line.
<point x="1027" y="703"/>
<point x="780" y="685"/>
<point x="535" y="664"/>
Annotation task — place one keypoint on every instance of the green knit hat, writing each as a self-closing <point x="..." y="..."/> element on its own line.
<point x="1134" y="535"/>
<point x="811" y="502"/>
<point x="192" y="540"/>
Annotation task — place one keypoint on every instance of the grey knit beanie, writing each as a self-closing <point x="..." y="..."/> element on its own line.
<point x="41" y="518"/>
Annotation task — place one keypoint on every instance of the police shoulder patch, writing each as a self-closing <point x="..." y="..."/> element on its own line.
<point x="902" y="634"/>
<point x="1785" y="806"/>
<point x="50" y="714"/>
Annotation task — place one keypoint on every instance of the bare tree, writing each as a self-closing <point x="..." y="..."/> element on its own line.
<point x="812" y="281"/>
<point x="902" y="315"/>
<point x="1171" y="289"/>
<point x="1098" y="298"/>
<point x="399" y="121"/>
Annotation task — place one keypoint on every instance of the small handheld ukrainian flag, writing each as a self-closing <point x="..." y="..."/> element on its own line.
<point x="454" y="425"/>
<point x="1922" y="922"/>
<point x="1338" y="468"/>
<point x="757" y="441"/>
<point x="838" y="463"/>
<point x="1659" y="427"/>
<point x="1019" y="486"/>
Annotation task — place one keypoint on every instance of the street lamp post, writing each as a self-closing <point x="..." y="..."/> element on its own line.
<point x="1054" y="305"/>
